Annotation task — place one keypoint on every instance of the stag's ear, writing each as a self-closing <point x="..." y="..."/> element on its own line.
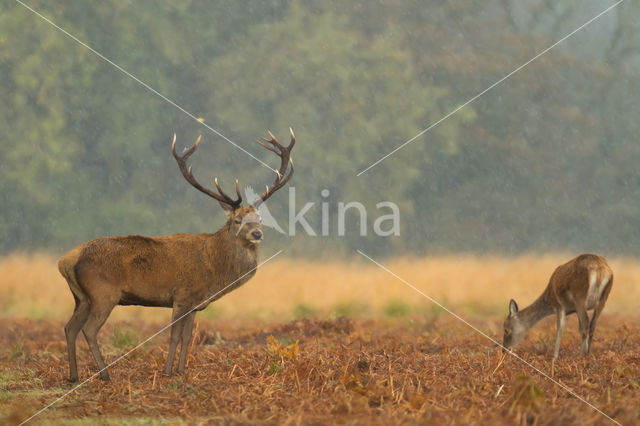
<point x="513" y="308"/>
<point x="227" y="208"/>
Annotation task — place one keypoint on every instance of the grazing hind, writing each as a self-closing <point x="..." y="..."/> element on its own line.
<point x="185" y="272"/>
<point x="580" y="285"/>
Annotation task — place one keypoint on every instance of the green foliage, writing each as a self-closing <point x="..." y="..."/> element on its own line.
<point x="17" y="349"/>
<point x="549" y="159"/>
<point x="527" y="395"/>
<point x="274" y="368"/>
<point x="349" y="308"/>
<point x="396" y="308"/>
<point x="304" y="311"/>
<point x="123" y="338"/>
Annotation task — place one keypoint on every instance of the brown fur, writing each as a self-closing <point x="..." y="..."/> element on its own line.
<point x="566" y="293"/>
<point x="185" y="272"/>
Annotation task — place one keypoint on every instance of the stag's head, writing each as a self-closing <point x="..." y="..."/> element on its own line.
<point x="514" y="329"/>
<point x="244" y="222"/>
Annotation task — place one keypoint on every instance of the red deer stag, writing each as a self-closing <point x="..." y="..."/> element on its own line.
<point x="580" y="285"/>
<point x="181" y="271"/>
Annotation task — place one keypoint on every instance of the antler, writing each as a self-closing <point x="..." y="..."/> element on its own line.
<point x="285" y="159"/>
<point x="188" y="175"/>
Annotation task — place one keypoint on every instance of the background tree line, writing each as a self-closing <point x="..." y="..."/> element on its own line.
<point x="548" y="160"/>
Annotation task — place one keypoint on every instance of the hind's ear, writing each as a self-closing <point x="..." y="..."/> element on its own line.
<point x="513" y="308"/>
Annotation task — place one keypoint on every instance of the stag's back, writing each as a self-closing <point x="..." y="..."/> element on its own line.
<point x="156" y="271"/>
<point x="130" y="270"/>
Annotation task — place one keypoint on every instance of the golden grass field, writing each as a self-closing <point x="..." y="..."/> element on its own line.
<point x="31" y="287"/>
<point x="364" y="349"/>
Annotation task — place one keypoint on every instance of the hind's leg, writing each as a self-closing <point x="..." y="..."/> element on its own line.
<point x="97" y="316"/>
<point x="597" y="311"/>
<point x="71" y="330"/>
<point x="583" y="324"/>
<point x="560" y="321"/>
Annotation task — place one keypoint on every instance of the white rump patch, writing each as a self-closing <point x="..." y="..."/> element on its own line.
<point x="593" y="293"/>
<point x="603" y="284"/>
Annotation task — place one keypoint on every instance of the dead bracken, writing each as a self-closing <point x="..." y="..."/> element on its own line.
<point x="362" y="371"/>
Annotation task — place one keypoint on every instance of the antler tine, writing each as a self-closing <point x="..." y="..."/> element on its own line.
<point x="268" y="147"/>
<point x="187" y="172"/>
<point x="238" y="190"/>
<point x="278" y="183"/>
<point x="229" y="199"/>
<point x="186" y="152"/>
<point x="290" y="173"/>
<point x="274" y="140"/>
<point x="293" y="139"/>
<point x="282" y="177"/>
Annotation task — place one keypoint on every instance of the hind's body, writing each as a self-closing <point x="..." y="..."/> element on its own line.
<point x="578" y="286"/>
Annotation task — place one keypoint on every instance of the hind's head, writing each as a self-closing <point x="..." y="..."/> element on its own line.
<point x="514" y="329"/>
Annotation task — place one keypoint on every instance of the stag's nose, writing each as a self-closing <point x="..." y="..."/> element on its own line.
<point x="257" y="235"/>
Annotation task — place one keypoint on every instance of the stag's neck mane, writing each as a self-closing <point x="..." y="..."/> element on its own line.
<point x="224" y="244"/>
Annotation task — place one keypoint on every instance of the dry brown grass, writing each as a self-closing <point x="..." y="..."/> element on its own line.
<point x="365" y="371"/>
<point x="31" y="287"/>
<point x="422" y="368"/>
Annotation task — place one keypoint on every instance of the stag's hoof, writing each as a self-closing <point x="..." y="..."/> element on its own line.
<point x="73" y="379"/>
<point x="105" y="377"/>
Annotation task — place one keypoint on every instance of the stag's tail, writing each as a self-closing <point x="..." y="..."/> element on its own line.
<point x="66" y="266"/>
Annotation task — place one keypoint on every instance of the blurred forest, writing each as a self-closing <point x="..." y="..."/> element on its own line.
<point x="547" y="160"/>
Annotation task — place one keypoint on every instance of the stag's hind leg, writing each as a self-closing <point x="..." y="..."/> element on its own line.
<point x="99" y="312"/>
<point x="80" y="312"/>
<point x="71" y="330"/>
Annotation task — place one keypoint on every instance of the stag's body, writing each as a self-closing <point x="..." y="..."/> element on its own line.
<point x="185" y="272"/>
<point x="578" y="286"/>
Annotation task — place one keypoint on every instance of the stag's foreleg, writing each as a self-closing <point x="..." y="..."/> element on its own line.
<point x="178" y="321"/>
<point x="187" y="331"/>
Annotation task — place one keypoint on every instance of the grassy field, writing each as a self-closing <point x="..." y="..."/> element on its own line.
<point x="311" y="343"/>
<point x="31" y="287"/>
<point x="364" y="371"/>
